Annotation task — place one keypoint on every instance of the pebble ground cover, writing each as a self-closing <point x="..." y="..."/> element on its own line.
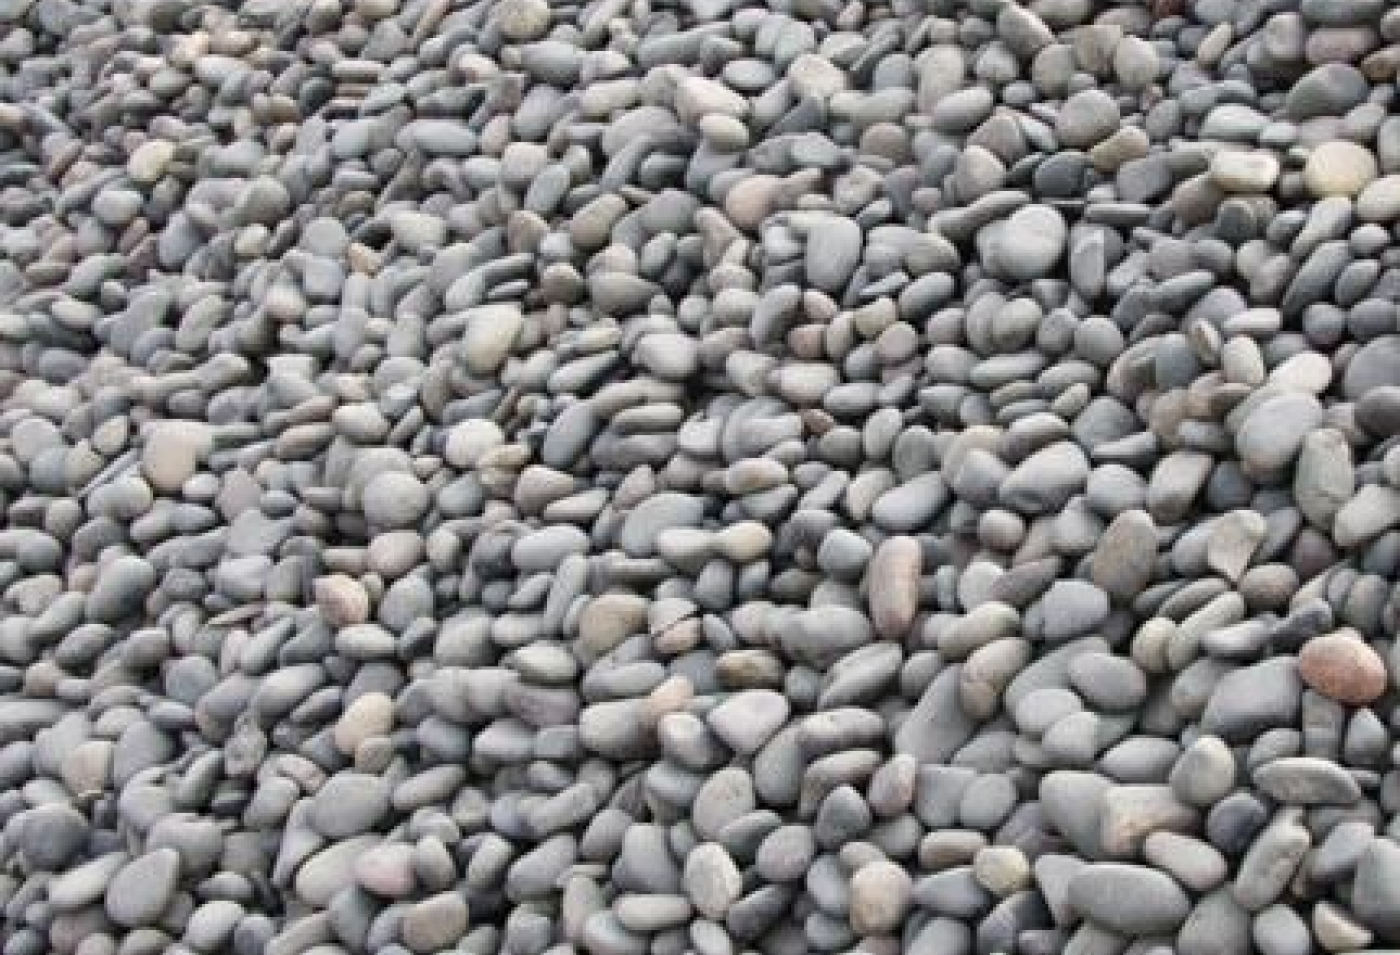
<point x="646" y="477"/>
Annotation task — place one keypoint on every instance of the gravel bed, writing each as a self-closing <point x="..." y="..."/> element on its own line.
<point x="699" y="477"/>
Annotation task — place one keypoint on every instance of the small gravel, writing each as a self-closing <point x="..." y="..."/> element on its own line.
<point x="618" y="477"/>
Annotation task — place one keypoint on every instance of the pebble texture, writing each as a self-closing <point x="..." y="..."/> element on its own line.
<point x="620" y="477"/>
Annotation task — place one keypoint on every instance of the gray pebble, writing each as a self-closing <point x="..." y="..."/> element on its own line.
<point x="1128" y="899"/>
<point x="1374" y="892"/>
<point x="1307" y="780"/>
<point x="1270" y="863"/>
<point x="711" y="881"/>
<point x="349" y="804"/>
<point x="1029" y="243"/>
<point x="880" y="897"/>
<point x="747" y="720"/>
<point x="1205" y="773"/>
<point x="121" y="589"/>
<point x="1252" y="699"/>
<point x="833" y="252"/>
<point x="140" y="892"/>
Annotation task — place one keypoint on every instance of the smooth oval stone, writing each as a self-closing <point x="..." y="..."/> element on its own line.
<point x="349" y="804"/>
<point x="747" y="720"/>
<point x="833" y="252"/>
<point x="141" y="891"/>
<point x="880" y="896"/>
<point x="1343" y="667"/>
<point x="893" y="576"/>
<point x="121" y="589"/>
<point x="1339" y="168"/>
<point x="1030" y="243"/>
<point x="1307" y="780"/>
<point x="331" y="869"/>
<point x="1270" y="438"/>
<point x="1375" y="364"/>
<point x="711" y="881"/>
<point x="1128" y="899"/>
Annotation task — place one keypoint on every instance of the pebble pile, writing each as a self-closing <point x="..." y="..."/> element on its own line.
<point x="649" y="477"/>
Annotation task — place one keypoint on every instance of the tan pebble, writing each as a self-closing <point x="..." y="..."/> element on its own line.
<point x="368" y="716"/>
<point x="1339" y="168"/>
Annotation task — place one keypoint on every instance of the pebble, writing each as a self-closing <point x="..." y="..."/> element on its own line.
<point x="833" y="252"/>
<point x="1371" y="511"/>
<point x="1086" y="118"/>
<point x="368" y="717"/>
<point x="1233" y="542"/>
<point x="785" y="854"/>
<point x="880" y="897"/>
<point x="1323" y="481"/>
<point x="711" y="880"/>
<point x="387" y="870"/>
<point x="1107" y="682"/>
<point x="1002" y="870"/>
<point x="394" y="500"/>
<point x="697" y="97"/>
<point x="171" y="454"/>
<point x="1337" y="930"/>
<point x="1127" y="814"/>
<point x="1125" y="558"/>
<point x="1205" y="772"/>
<point x="652" y="913"/>
<point x="489" y="338"/>
<point x="121" y="590"/>
<point x="149" y="161"/>
<point x="1247" y="172"/>
<point x="894" y="574"/>
<point x="1217" y="922"/>
<point x="469" y="442"/>
<point x="816" y="76"/>
<point x="1270" y="863"/>
<point x="1339" y="168"/>
<point x="435" y="923"/>
<point x="1071" y="608"/>
<point x="1330" y="89"/>
<point x="1343" y="667"/>
<point x="140" y="891"/>
<point x="349" y="804"/>
<point x="1130" y="900"/>
<point x="1030" y="243"/>
<point x="1271" y="435"/>
<point x="1372" y="366"/>
<point x="1045" y="481"/>
<point x="1379" y="201"/>
<point x="1307" y="780"/>
<point x="1252" y="699"/>
<point x="50" y="836"/>
<point x="521" y="20"/>
<point x="748" y="720"/>
<point x="1374" y="893"/>
<point x="1197" y="865"/>
<point x="1280" y="929"/>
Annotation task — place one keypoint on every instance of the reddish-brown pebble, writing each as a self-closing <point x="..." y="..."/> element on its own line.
<point x="1344" y="667"/>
